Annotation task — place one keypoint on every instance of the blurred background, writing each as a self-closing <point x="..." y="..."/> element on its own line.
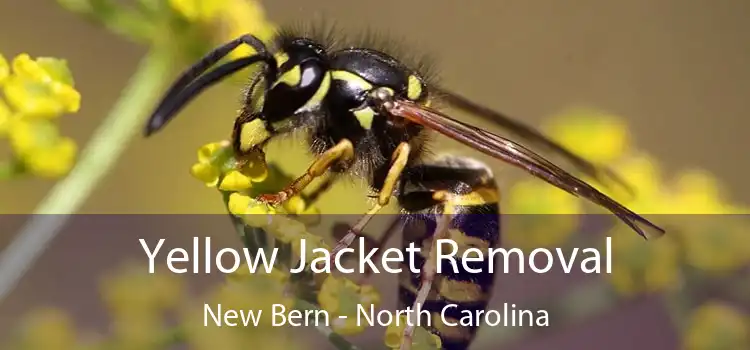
<point x="669" y="78"/>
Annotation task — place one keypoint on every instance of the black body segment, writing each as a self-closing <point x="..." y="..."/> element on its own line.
<point x="475" y="224"/>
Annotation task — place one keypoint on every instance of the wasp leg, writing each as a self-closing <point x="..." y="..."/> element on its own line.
<point x="342" y="151"/>
<point x="429" y="272"/>
<point x="398" y="163"/>
<point x="313" y="196"/>
<point x="461" y="193"/>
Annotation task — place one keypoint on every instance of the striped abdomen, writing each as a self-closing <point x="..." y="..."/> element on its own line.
<point x="473" y="200"/>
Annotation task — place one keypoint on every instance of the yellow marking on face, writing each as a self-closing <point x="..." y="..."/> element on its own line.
<point x="281" y="58"/>
<point x="351" y="78"/>
<point x="291" y="77"/>
<point x="414" y="88"/>
<point x="258" y="96"/>
<point x="365" y="116"/>
<point x="253" y="134"/>
<point x="321" y="93"/>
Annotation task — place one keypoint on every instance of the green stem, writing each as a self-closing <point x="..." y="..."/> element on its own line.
<point x="95" y="161"/>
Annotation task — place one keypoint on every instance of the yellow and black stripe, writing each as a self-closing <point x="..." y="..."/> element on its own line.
<point x="473" y="198"/>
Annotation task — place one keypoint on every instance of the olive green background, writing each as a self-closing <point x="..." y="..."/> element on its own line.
<point x="677" y="70"/>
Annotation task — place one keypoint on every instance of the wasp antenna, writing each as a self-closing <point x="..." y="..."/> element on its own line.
<point x="176" y="95"/>
<point x="643" y="227"/>
<point x="169" y="108"/>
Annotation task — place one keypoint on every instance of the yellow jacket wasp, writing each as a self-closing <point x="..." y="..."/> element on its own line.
<point x="367" y="113"/>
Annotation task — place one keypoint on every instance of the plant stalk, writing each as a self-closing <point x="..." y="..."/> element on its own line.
<point x="95" y="161"/>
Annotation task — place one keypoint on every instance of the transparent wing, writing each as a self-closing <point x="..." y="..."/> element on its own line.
<point x="531" y="135"/>
<point x="519" y="156"/>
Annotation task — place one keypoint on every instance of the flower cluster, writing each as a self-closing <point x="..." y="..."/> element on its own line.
<point x="241" y="181"/>
<point x="37" y="92"/>
<point x="704" y="232"/>
<point x="421" y="339"/>
<point x="189" y="27"/>
<point x="229" y="18"/>
<point x="244" y="291"/>
<point x="681" y="204"/>
<point x="340" y="297"/>
<point x="142" y="307"/>
<point x="716" y="325"/>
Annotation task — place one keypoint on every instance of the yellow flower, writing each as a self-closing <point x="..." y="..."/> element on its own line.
<point x="287" y="230"/>
<point x="240" y="17"/>
<point x="595" y="135"/>
<point x="538" y="197"/>
<point x="210" y="158"/>
<point x="312" y="242"/>
<point x="422" y="339"/>
<point x="715" y="243"/>
<point x="253" y="165"/>
<point x="243" y="274"/>
<point x="216" y="161"/>
<point x="697" y="192"/>
<point x="643" y="173"/>
<point x="236" y="338"/>
<point x="640" y="266"/>
<point x="239" y="203"/>
<point x="229" y="18"/>
<point x="39" y="146"/>
<point x="41" y="88"/>
<point x="48" y="329"/>
<point x="713" y="239"/>
<point x="341" y="297"/>
<point x="6" y="116"/>
<point x="205" y="172"/>
<point x="295" y="205"/>
<point x="209" y="151"/>
<point x="37" y="91"/>
<point x="252" y="212"/>
<point x="243" y="291"/>
<point x="53" y="161"/>
<point x="541" y="215"/>
<point x="199" y="337"/>
<point x="198" y="10"/>
<point x="260" y="291"/>
<point x="717" y="326"/>
<point x="235" y="181"/>
<point x="131" y="330"/>
<point x="131" y="292"/>
<point x="4" y="69"/>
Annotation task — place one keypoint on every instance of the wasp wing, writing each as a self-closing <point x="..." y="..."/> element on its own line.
<point x="519" y="156"/>
<point x="528" y="133"/>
